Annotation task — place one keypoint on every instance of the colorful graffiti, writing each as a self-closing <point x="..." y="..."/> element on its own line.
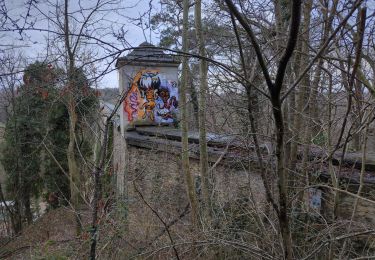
<point x="151" y="98"/>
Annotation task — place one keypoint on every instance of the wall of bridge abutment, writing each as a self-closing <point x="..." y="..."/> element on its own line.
<point x="151" y="165"/>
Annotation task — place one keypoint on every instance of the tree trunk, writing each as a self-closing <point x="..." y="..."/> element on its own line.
<point x="282" y="178"/>
<point x="203" y="87"/>
<point x="14" y="213"/>
<point x="26" y="202"/>
<point x="98" y="172"/>
<point x="16" y="218"/>
<point x="194" y="99"/>
<point x="74" y="176"/>
<point x="184" y="121"/>
<point x="304" y="87"/>
<point x="274" y="91"/>
<point x="328" y="20"/>
<point x="72" y="163"/>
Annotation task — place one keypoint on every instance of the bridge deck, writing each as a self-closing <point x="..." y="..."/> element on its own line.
<point x="228" y="150"/>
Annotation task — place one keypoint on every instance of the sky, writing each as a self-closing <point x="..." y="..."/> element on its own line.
<point x="111" y="18"/>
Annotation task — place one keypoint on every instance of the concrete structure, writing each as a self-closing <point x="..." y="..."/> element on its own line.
<point x="149" y="79"/>
<point x="147" y="160"/>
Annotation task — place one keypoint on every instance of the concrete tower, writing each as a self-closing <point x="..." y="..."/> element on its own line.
<point x="149" y="77"/>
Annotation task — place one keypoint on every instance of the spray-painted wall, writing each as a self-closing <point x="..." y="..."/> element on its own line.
<point x="152" y="96"/>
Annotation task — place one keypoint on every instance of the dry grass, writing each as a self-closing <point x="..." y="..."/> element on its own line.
<point x="51" y="236"/>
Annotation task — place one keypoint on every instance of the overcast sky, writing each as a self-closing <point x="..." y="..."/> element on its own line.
<point x="33" y="42"/>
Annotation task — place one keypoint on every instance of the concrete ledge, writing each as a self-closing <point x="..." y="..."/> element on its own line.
<point x="231" y="152"/>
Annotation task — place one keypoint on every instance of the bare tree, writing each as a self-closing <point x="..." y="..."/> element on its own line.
<point x="190" y="186"/>
<point x="203" y="87"/>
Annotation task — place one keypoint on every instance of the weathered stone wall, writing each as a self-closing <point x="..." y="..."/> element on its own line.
<point x="158" y="172"/>
<point x="363" y="219"/>
<point x="365" y="213"/>
<point x="119" y="161"/>
<point x="161" y="175"/>
<point x="153" y="178"/>
<point x="158" y="177"/>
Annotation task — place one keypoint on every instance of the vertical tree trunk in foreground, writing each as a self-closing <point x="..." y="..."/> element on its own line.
<point x="275" y="88"/>
<point x="203" y="86"/>
<point x="72" y="163"/>
<point x="184" y="120"/>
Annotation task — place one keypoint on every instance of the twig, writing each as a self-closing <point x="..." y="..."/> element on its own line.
<point x="317" y="249"/>
<point x="174" y="221"/>
<point x="159" y="217"/>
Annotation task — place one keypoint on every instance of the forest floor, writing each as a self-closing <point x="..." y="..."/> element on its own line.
<point x="52" y="236"/>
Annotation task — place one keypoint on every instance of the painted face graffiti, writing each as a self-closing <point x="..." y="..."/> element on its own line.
<point x="149" y="80"/>
<point x="149" y="105"/>
<point x="164" y="95"/>
<point x="168" y="102"/>
<point x="151" y="97"/>
<point x="133" y="104"/>
<point x="167" y="106"/>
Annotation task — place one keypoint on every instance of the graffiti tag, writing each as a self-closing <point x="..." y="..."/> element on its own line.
<point x="133" y="98"/>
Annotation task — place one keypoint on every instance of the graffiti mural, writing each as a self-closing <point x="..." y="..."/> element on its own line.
<point x="152" y="98"/>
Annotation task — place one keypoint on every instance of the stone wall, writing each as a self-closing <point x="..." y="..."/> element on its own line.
<point x="161" y="175"/>
<point x="363" y="219"/>
<point x="365" y="212"/>
<point x="119" y="158"/>
<point x="153" y="159"/>
<point x="152" y="177"/>
<point x="158" y="177"/>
